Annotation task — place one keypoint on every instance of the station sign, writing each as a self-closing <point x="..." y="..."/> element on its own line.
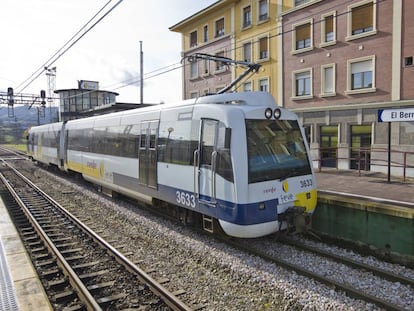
<point x="396" y="115"/>
<point x="88" y="85"/>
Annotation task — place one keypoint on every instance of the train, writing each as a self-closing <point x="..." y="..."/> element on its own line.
<point x="235" y="163"/>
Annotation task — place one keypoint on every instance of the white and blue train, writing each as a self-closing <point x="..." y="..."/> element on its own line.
<point x="234" y="162"/>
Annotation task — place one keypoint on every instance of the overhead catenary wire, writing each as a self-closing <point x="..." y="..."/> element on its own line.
<point x="230" y="48"/>
<point x="69" y="44"/>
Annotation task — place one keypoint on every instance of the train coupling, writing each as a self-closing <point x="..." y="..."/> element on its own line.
<point x="296" y="219"/>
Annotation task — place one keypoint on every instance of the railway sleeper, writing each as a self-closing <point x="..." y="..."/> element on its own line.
<point x="94" y="274"/>
<point x="66" y="245"/>
<point x="64" y="296"/>
<point x="64" y="239"/>
<point x="51" y="226"/>
<point x="50" y="273"/>
<point x="108" y="299"/>
<point x="34" y="244"/>
<point x="71" y="251"/>
<point x="86" y="265"/>
<point x="75" y="307"/>
<point x="57" y="283"/>
<point x="29" y="238"/>
<point x="38" y="249"/>
<point x="75" y="257"/>
<point x="126" y="254"/>
<point x="56" y="235"/>
<point x="163" y="280"/>
<point x="100" y="286"/>
<point x="45" y="263"/>
<point x="41" y="256"/>
<point x="179" y="292"/>
<point x="27" y="231"/>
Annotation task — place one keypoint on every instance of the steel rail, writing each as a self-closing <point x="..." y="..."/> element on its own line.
<point x="351" y="262"/>
<point x="350" y="291"/>
<point x="74" y="280"/>
<point x="170" y="299"/>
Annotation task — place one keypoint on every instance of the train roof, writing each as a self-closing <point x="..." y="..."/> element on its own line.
<point x="253" y="99"/>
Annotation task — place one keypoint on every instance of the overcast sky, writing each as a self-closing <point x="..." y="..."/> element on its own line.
<point x="32" y="31"/>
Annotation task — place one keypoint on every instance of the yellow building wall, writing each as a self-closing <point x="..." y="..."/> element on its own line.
<point x="209" y="20"/>
<point x="258" y="29"/>
<point x="232" y="11"/>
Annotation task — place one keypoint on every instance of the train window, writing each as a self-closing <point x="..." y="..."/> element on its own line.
<point x="177" y="141"/>
<point x="224" y="164"/>
<point x="276" y="150"/>
<point x="208" y="141"/>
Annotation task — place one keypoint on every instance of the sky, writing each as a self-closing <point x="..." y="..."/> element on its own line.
<point x="34" y="30"/>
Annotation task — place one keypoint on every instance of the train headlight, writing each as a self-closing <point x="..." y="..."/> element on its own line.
<point x="277" y="113"/>
<point x="268" y="113"/>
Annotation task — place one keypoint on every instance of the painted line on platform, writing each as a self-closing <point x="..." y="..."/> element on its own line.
<point x="375" y="199"/>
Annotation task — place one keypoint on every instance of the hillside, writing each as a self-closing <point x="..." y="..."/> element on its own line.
<point x="12" y="129"/>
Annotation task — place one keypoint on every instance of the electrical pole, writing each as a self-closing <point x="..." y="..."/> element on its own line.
<point x="51" y="86"/>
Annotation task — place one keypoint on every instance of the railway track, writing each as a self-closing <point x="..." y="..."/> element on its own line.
<point x="321" y="276"/>
<point x="352" y="290"/>
<point x="78" y="268"/>
<point x="8" y="154"/>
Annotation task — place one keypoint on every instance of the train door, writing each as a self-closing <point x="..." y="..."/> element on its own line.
<point x="207" y="151"/>
<point x="62" y="145"/>
<point x="148" y="154"/>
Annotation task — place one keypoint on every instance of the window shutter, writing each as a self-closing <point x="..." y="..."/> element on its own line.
<point x="362" y="16"/>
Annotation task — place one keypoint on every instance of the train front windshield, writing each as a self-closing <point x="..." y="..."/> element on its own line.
<point x="276" y="150"/>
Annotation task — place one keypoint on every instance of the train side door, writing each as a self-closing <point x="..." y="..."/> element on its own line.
<point x="207" y="151"/>
<point x="148" y="154"/>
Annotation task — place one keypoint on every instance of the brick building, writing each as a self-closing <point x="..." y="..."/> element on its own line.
<point x="335" y="63"/>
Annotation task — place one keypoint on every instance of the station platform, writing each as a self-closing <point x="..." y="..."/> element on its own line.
<point x="365" y="209"/>
<point x="369" y="185"/>
<point x="20" y="288"/>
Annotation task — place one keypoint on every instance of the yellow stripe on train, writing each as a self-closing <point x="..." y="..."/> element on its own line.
<point x="307" y="199"/>
<point x="95" y="171"/>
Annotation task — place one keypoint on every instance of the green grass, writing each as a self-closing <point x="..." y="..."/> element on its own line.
<point x="19" y="147"/>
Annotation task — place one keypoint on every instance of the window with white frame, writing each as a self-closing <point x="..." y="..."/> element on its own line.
<point x="263" y="10"/>
<point x="193" y="39"/>
<point x="205" y="33"/>
<point x="361" y="75"/>
<point x="247" y="86"/>
<point x="328" y="80"/>
<point x="247" y="52"/>
<point x="361" y="19"/>
<point x="302" y="83"/>
<point x="220" y="27"/>
<point x="247" y="16"/>
<point x="193" y="70"/>
<point x="194" y="94"/>
<point x="302" y="37"/>
<point x="263" y="48"/>
<point x="264" y="85"/>
<point x="328" y="28"/>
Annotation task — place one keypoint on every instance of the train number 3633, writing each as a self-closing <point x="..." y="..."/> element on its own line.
<point x="306" y="183"/>
<point x="185" y="198"/>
